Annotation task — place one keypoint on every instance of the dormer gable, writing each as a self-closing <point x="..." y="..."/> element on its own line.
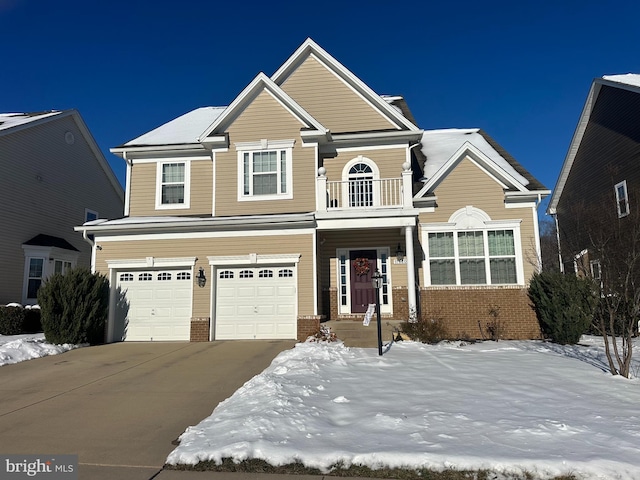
<point x="310" y="129"/>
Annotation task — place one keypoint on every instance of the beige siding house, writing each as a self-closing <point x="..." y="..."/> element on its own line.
<point x="263" y="218"/>
<point x="54" y="177"/>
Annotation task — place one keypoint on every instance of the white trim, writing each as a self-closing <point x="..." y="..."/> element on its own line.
<point x="346" y="309"/>
<point x="191" y="235"/>
<point x="255" y="259"/>
<point x="169" y="159"/>
<point x="536" y="236"/>
<point x="266" y="146"/>
<point x="365" y="221"/>
<point x="49" y="256"/>
<point x="371" y="147"/>
<point x="315" y="270"/>
<point x="622" y="184"/>
<point x="187" y="186"/>
<point x="151" y="262"/>
<point x="127" y="196"/>
<point x="213" y="183"/>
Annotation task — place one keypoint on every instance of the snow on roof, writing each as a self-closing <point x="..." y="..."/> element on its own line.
<point x="439" y="145"/>
<point x="182" y="130"/>
<point x="628" y="79"/>
<point x="9" y="120"/>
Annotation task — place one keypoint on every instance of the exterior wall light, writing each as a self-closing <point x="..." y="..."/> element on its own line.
<point x="400" y="253"/>
<point x="376" y="280"/>
<point x="202" y="280"/>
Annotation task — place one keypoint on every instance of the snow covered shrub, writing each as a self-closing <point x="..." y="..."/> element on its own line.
<point x="428" y="329"/>
<point x="564" y="305"/>
<point x="11" y="320"/>
<point x="74" y="307"/>
<point x="324" y="334"/>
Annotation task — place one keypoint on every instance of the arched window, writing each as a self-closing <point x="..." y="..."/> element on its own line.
<point x="361" y="185"/>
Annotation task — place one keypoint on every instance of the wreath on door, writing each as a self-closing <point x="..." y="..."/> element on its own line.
<point x="361" y="266"/>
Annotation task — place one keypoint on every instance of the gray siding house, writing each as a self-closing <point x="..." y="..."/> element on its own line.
<point x="601" y="172"/>
<point x="54" y="177"/>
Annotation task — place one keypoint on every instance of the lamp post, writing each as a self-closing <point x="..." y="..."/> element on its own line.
<point x="376" y="280"/>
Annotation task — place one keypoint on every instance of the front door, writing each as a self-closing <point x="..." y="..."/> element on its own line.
<point x="363" y="266"/>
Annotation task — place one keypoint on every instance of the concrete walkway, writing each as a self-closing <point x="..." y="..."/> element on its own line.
<point x="120" y="406"/>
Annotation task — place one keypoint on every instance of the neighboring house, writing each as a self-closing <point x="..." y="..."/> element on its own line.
<point x="54" y="176"/>
<point x="601" y="171"/>
<point x="262" y="218"/>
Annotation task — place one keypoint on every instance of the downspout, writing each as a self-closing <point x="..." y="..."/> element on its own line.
<point x="85" y="235"/>
<point x="555" y="218"/>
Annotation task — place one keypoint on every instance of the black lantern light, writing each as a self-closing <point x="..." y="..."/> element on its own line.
<point x="202" y="280"/>
<point x="399" y="253"/>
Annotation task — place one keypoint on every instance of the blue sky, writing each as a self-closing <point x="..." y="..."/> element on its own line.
<point x="519" y="70"/>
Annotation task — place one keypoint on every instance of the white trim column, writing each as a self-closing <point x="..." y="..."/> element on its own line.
<point x="411" y="273"/>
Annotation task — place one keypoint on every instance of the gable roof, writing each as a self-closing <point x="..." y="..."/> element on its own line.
<point x="444" y="148"/>
<point x="309" y="47"/>
<point x="14" y="122"/>
<point x="630" y="82"/>
<point x="43" y="240"/>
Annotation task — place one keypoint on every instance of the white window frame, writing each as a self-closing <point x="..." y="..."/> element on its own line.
<point x="470" y="219"/>
<point x="50" y="256"/>
<point x="347" y="178"/>
<point x="622" y="202"/>
<point x="187" y="185"/>
<point x="250" y="148"/>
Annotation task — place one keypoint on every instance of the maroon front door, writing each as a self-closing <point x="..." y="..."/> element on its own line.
<point x="363" y="266"/>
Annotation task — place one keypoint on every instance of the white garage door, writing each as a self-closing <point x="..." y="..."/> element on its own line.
<point x="159" y="304"/>
<point x="255" y="303"/>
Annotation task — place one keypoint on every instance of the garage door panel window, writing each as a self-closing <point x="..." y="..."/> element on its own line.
<point x="183" y="276"/>
<point x="145" y="277"/>
<point x="126" y="277"/>
<point x="286" y="273"/>
<point x="246" y="274"/>
<point x="265" y="274"/>
<point x="164" y="276"/>
<point x="226" y="274"/>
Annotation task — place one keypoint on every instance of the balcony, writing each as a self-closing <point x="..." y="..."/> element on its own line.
<point x="365" y="193"/>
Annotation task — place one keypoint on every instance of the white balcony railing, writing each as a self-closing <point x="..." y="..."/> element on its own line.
<point x="364" y="193"/>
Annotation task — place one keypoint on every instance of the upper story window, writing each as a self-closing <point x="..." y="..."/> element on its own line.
<point x="264" y="170"/>
<point x="172" y="185"/>
<point x="360" y="185"/>
<point x="622" y="199"/>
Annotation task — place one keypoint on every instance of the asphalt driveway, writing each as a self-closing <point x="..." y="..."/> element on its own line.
<point x="120" y="406"/>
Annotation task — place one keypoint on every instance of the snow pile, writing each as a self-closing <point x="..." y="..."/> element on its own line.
<point x="510" y="406"/>
<point x="18" y="348"/>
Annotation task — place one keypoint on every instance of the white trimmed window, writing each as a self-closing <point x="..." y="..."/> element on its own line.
<point x="172" y="185"/>
<point x="265" y="170"/>
<point x="480" y="257"/>
<point x="622" y="199"/>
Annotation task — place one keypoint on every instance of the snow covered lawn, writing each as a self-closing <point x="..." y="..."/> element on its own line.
<point x="512" y="407"/>
<point x="18" y="348"/>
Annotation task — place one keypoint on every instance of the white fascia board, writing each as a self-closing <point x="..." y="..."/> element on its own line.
<point x="372" y="147"/>
<point x="256" y="259"/>
<point x="576" y="140"/>
<point x="261" y="81"/>
<point x="157" y="149"/>
<point x="370" y="139"/>
<point x="196" y="235"/>
<point x="365" y="223"/>
<point x="151" y="262"/>
<point x="344" y="74"/>
<point x="153" y="224"/>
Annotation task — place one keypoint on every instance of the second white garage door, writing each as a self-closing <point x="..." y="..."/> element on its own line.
<point x="159" y="304"/>
<point x="255" y="303"/>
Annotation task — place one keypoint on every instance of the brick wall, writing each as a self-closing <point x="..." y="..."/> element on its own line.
<point x="199" y="329"/>
<point x="466" y="311"/>
<point x="400" y="303"/>
<point x="308" y="325"/>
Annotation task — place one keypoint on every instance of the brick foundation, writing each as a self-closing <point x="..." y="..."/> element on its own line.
<point x="465" y="311"/>
<point x="308" y="325"/>
<point x="199" y="329"/>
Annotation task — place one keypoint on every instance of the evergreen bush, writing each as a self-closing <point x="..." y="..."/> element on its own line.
<point x="74" y="307"/>
<point x="564" y="305"/>
<point x="32" y="323"/>
<point x="11" y="320"/>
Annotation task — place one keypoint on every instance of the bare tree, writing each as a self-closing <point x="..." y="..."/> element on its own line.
<point x="609" y="252"/>
<point x="549" y="246"/>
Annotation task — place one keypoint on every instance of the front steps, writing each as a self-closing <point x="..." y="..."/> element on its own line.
<point x="354" y="334"/>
